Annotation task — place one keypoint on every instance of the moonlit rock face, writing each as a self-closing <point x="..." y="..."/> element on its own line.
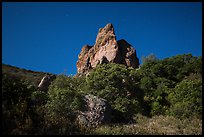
<point x="106" y="47"/>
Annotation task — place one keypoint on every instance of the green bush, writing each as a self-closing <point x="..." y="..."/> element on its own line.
<point x="186" y="99"/>
<point x="113" y="82"/>
<point x="64" y="99"/>
<point x="158" y="77"/>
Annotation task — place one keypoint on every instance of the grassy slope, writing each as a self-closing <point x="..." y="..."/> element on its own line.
<point x="33" y="76"/>
<point x="157" y="125"/>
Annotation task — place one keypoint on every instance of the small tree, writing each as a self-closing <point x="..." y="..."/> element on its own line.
<point x="150" y="58"/>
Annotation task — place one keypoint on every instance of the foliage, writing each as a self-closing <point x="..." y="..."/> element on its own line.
<point x="16" y="95"/>
<point x="158" y="78"/>
<point x="169" y="91"/>
<point x="186" y="99"/>
<point x="113" y="82"/>
<point x="64" y="99"/>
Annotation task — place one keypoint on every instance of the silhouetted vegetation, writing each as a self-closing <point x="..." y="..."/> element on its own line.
<point x="160" y="97"/>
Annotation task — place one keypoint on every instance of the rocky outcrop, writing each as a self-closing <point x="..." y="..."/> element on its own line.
<point x="45" y="82"/>
<point x="106" y="50"/>
<point x="98" y="112"/>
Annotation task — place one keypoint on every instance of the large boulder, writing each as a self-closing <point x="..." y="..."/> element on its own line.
<point x="97" y="112"/>
<point x="106" y="50"/>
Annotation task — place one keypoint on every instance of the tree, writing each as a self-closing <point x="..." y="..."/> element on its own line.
<point x="150" y="58"/>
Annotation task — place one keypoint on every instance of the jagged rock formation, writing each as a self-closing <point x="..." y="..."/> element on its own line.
<point x="45" y="82"/>
<point x="98" y="112"/>
<point x="106" y="50"/>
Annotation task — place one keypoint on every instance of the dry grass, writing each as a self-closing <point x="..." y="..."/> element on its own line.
<point x="157" y="125"/>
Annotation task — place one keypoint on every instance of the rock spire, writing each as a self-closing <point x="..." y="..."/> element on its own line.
<point x="106" y="50"/>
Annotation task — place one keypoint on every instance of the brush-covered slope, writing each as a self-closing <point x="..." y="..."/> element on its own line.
<point x="15" y="72"/>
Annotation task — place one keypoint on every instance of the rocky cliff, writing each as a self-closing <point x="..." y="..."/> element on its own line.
<point x="106" y="50"/>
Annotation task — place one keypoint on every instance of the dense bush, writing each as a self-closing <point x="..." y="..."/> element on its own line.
<point x="64" y="99"/>
<point x="186" y="99"/>
<point x="113" y="83"/>
<point x="159" y="77"/>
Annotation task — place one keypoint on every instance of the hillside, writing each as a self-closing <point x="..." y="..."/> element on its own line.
<point x="32" y="76"/>
<point x="162" y="97"/>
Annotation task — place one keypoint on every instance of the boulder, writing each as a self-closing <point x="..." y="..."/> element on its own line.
<point x="45" y="82"/>
<point x="97" y="112"/>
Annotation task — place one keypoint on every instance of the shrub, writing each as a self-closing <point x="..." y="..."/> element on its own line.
<point x="186" y="99"/>
<point x="159" y="77"/>
<point x="64" y="99"/>
<point x="113" y="82"/>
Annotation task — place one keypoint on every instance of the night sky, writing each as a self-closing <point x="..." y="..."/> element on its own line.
<point x="48" y="36"/>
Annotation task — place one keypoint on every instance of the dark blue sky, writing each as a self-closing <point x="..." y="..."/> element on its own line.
<point x="49" y="36"/>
